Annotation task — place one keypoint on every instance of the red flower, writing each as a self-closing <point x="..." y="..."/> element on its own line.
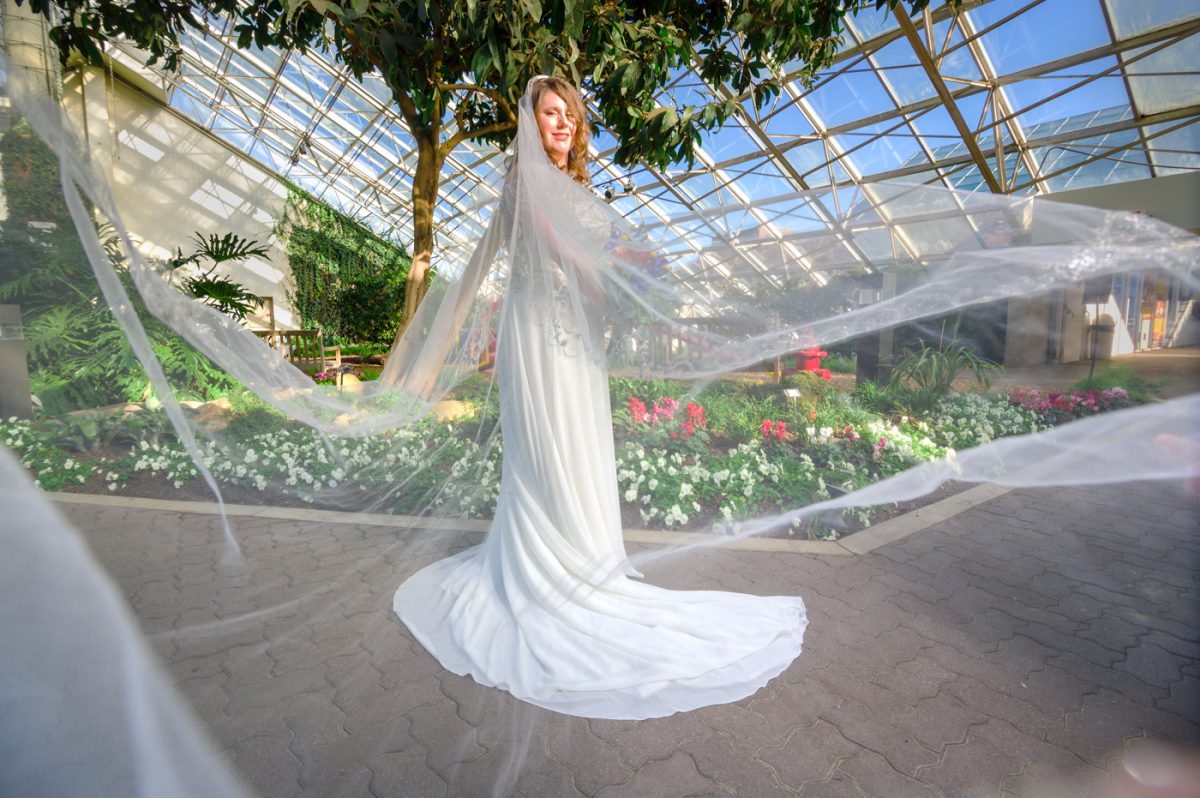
<point x="637" y="409"/>
<point x="780" y="429"/>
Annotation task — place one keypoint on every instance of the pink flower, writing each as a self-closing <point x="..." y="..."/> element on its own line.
<point x="767" y="426"/>
<point x="780" y="429"/>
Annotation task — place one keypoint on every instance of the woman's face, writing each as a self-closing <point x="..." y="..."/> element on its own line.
<point x="556" y="124"/>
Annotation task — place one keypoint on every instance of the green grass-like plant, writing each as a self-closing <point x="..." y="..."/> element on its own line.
<point x="1140" y="389"/>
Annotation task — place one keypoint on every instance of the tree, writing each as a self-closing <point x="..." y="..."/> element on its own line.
<point x="457" y="69"/>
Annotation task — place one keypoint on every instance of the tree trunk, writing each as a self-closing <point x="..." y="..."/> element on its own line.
<point x="424" y="195"/>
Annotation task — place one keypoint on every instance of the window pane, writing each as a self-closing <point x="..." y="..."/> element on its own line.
<point x="1051" y="30"/>
<point x="1167" y="79"/>
<point x="1131" y="17"/>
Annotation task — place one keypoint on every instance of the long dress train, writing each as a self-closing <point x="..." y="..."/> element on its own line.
<point x="547" y="607"/>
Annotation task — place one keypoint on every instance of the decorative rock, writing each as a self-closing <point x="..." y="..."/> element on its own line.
<point x="452" y="408"/>
<point x="350" y="383"/>
<point x="122" y="409"/>
<point x="215" y="414"/>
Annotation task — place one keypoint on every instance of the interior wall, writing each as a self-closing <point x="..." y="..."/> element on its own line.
<point x="172" y="180"/>
<point x="1174" y="199"/>
<point x="1028" y="331"/>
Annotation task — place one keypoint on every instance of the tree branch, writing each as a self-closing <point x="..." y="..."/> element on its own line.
<point x="462" y="135"/>
<point x="408" y="109"/>
<point x="496" y="96"/>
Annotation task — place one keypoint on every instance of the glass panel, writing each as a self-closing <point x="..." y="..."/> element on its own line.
<point x="849" y="97"/>
<point x="938" y="236"/>
<point x="265" y="155"/>
<point x="869" y="23"/>
<point x="687" y="88"/>
<point x="760" y="179"/>
<point x="1023" y="183"/>
<point x="1080" y="108"/>
<point x="267" y="59"/>
<point x="956" y="59"/>
<point x="938" y="131"/>
<point x="728" y="141"/>
<point x="1051" y="30"/>
<point x="875" y="245"/>
<point x="1114" y="167"/>
<point x="791" y="216"/>
<point x="1167" y="79"/>
<point x="205" y="50"/>
<point x="256" y="88"/>
<point x="293" y="77"/>
<point x="899" y="69"/>
<point x="809" y="160"/>
<point x="968" y="178"/>
<point x="786" y="122"/>
<point x="872" y="150"/>
<point x="374" y="85"/>
<point x="182" y="101"/>
<point x="287" y="107"/>
<point x="1131" y="17"/>
<point x="1175" y="152"/>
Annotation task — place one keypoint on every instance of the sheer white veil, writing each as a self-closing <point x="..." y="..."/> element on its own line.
<point x="673" y="299"/>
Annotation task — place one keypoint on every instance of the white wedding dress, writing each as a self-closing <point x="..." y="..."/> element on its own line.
<point x="548" y="607"/>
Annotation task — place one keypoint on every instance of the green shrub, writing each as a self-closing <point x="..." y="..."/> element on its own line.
<point x="1140" y="389"/>
<point x="348" y="281"/>
<point x="840" y="364"/>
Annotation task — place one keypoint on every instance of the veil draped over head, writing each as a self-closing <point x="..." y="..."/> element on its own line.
<point x="747" y="284"/>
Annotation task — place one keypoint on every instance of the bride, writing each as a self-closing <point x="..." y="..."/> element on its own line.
<point x="549" y="607"/>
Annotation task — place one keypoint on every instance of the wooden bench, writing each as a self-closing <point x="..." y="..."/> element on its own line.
<point x="304" y="349"/>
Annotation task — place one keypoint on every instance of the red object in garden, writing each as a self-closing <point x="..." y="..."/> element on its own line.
<point x="809" y="359"/>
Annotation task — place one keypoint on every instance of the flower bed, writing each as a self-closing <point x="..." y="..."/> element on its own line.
<point x="746" y="451"/>
<point x="1058" y="407"/>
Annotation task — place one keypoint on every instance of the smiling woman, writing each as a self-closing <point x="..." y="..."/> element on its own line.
<point x="562" y="125"/>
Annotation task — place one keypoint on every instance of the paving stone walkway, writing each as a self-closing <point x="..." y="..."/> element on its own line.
<point x="1017" y="649"/>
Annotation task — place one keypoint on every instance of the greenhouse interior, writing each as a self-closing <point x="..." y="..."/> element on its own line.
<point x="819" y="417"/>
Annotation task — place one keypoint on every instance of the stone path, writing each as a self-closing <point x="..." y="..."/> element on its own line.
<point x="1016" y="649"/>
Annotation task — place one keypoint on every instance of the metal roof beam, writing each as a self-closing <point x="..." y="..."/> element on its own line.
<point x="939" y="85"/>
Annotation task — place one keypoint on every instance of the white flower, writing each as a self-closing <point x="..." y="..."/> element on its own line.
<point x="652" y="484"/>
<point x="631" y="495"/>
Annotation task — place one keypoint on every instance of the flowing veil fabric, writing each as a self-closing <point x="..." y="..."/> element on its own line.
<point x="549" y="607"/>
<point x="546" y="607"/>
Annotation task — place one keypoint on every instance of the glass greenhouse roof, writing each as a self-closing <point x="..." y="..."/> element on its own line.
<point x="1009" y="96"/>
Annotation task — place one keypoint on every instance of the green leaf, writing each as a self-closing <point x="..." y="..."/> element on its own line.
<point x="533" y="8"/>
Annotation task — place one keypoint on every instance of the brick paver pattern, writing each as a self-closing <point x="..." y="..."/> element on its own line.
<point x="1018" y="647"/>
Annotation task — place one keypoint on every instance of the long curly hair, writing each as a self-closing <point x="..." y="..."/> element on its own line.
<point x="577" y="158"/>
